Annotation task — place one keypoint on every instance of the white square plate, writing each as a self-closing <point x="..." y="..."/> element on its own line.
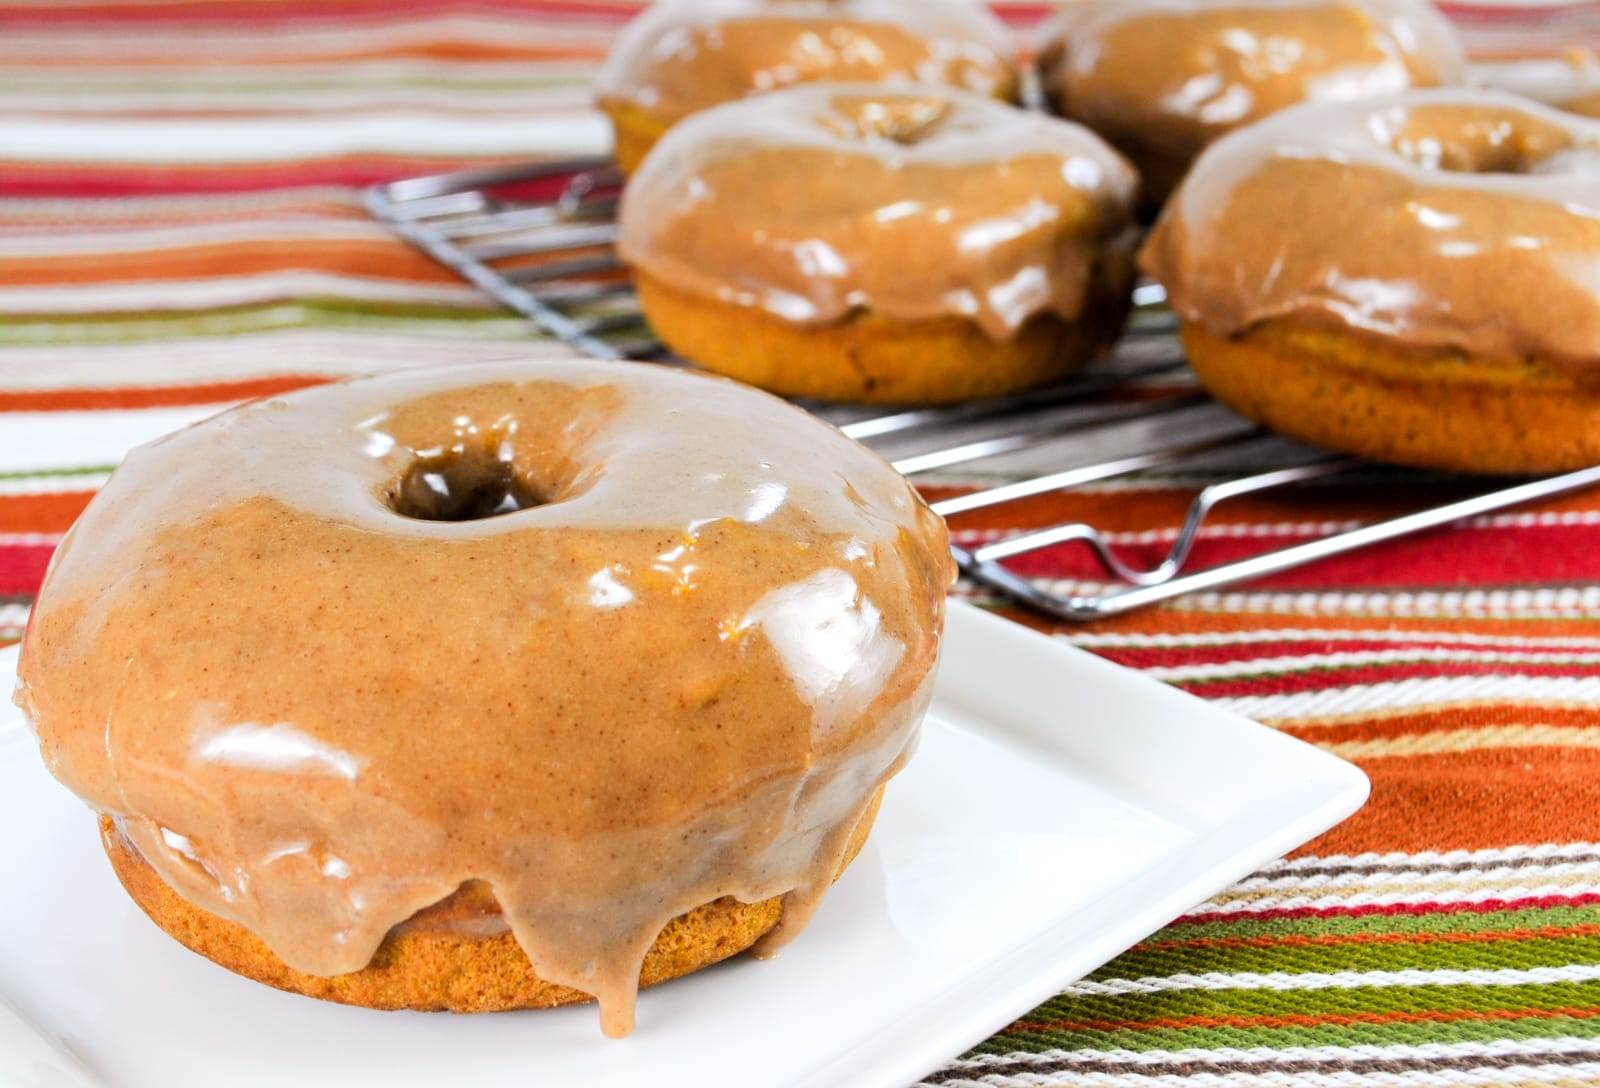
<point x="1060" y="809"/>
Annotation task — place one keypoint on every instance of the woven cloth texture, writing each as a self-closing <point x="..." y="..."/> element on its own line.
<point x="180" y="228"/>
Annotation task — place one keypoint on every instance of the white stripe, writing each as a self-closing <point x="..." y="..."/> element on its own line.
<point x="1285" y="981"/>
<point x="1565" y="1075"/>
<point x="264" y="139"/>
<point x="1261" y="665"/>
<point x="441" y="105"/>
<point x="1348" y="887"/>
<point x="164" y="364"/>
<point x="1531" y="852"/>
<point x="13" y="617"/>
<point x="1391" y="899"/>
<point x="1565" y="603"/>
<point x="53" y="484"/>
<point x="1427" y="883"/>
<point x="1500" y="1048"/>
<point x="308" y="42"/>
<point x="35" y="441"/>
<point x="1416" y="692"/>
<point x="435" y="71"/>
<point x="1112" y="640"/>
<point x="128" y="239"/>
<point x="223" y="291"/>
<point x="29" y="540"/>
<point x="73" y="213"/>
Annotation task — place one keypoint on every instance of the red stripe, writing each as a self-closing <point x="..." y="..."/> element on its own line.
<point x="1487" y="906"/>
<point x="1318" y="678"/>
<point x="22" y="568"/>
<point x="257" y="13"/>
<point x="74" y="400"/>
<point x="1548" y="555"/>
<point x="1145" y="657"/>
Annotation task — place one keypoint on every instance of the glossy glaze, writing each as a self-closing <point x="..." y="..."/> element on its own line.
<point x="1453" y="219"/>
<point x="683" y="56"/>
<point x="1164" y="78"/>
<point x="678" y="677"/>
<point x="914" y="203"/>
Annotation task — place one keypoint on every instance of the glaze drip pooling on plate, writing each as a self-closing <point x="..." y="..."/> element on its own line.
<point x="912" y="203"/>
<point x="1447" y="219"/>
<point x="614" y="639"/>
<point x="683" y="56"/>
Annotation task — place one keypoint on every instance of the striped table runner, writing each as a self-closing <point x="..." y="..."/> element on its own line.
<point x="179" y="229"/>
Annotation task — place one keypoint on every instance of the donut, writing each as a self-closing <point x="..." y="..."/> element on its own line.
<point x="1162" y="79"/>
<point x="1411" y="280"/>
<point x="491" y="686"/>
<point x="684" y="56"/>
<point x="851" y="242"/>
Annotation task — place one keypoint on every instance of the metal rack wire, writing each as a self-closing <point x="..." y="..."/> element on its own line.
<point x="539" y="239"/>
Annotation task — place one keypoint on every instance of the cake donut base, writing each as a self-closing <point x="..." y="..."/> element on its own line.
<point x="636" y="131"/>
<point x="869" y="358"/>
<point x="1429" y="409"/>
<point x="431" y="963"/>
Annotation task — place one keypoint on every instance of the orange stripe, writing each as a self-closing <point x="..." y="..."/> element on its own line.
<point x="1328" y="940"/>
<point x="382" y="259"/>
<point x="1399" y="1016"/>
<point x="53" y="513"/>
<point x="1159" y="621"/>
<point x="1479" y="800"/>
<point x="1454" y="717"/>
<point x="68" y="400"/>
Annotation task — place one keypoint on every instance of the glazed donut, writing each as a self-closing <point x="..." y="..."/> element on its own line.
<point x="683" y="56"/>
<point x="1162" y="79"/>
<point x="490" y="686"/>
<point x="1412" y="279"/>
<point x="860" y="243"/>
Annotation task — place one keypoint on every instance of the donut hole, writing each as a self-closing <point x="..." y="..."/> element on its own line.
<point x="906" y="121"/>
<point x="461" y="484"/>
<point x="1473" y="139"/>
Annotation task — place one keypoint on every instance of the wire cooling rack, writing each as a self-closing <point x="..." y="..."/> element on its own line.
<point x="540" y="239"/>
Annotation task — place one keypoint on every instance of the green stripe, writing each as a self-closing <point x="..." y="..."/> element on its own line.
<point x="52" y="473"/>
<point x="1179" y="1004"/>
<point x="423" y="320"/>
<point x="1537" y="952"/>
<point x="1360" y="1035"/>
<point x="1463" y="921"/>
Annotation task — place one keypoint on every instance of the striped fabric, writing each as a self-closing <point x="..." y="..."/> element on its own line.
<point x="180" y="228"/>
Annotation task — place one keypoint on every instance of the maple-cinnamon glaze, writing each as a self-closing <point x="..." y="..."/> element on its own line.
<point x="610" y="641"/>
<point x="1162" y="79"/>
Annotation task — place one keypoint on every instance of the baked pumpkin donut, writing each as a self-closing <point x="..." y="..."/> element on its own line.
<point x="683" y="56"/>
<point x="489" y="687"/>
<point x="1162" y="79"/>
<point x="853" y="242"/>
<point x="1411" y="280"/>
